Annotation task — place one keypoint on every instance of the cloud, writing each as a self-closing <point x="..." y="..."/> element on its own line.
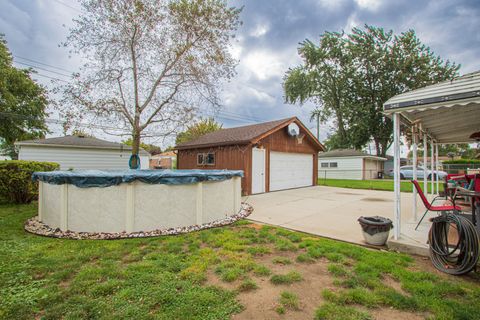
<point x="264" y="64"/>
<point x="260" y="30"/>
<point x="332" y="4"/>
<point x="371" y="5"/>
<point x="266" y="45"/>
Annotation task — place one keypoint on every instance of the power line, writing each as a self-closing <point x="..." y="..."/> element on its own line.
<point x="43" y="75"/>
<point x="67" y="5"/>
<point x="228" y="113"/>
<point x="43" y="69"/>
<point x="60" y="122"/>
<point x="223" y="114"/>
<point x="42" y="63"/>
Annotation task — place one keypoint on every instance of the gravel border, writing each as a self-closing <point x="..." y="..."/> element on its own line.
<point x="33" y="225"/>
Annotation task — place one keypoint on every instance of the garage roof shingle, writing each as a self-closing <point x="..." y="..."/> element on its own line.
<point x="238" y="135"/>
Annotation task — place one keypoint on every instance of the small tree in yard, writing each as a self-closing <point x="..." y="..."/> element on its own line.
<point x="23" y="104"/>
<point x="150" y="63"/>
<point x="198" y="129"/>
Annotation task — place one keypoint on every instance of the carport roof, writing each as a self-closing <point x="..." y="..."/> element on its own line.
<point x="448" y="111"/>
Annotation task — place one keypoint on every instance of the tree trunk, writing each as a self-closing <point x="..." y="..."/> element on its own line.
<point x="135" y="147"/>
<point x="377" y="148"/>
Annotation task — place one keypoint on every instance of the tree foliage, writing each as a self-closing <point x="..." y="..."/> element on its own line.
<point x="198" y="129"/>
<point x="22" y="104"/>
<point x="150" y="63"/>
<point x="462" y="150"/>
<point x="350" y="76"/>
<point x="150" y="148"/>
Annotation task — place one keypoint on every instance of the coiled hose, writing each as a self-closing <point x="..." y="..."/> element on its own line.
<point x="449" y="258"/>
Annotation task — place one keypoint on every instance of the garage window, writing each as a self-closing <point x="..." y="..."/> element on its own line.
<point x="200" y="159"/>
<point x="324" y="164"/>
<point x="206" y="159"/>
<point x="333" y="164"/>
<point x="210" y="159"/>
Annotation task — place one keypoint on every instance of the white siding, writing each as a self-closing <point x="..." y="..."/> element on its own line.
<point x="80" y="158"/>
<point x="372" y="167"/>
<point x="348" y="168"/>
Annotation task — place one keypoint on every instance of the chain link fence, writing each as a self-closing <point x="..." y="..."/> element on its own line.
<point x="461" y="168"/>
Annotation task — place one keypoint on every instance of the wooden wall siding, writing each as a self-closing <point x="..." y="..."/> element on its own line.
<point x="280" y="141"/>
<point x="237" y="157"/>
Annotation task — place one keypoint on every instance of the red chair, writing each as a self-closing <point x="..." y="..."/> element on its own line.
<point x="429" y="206"/>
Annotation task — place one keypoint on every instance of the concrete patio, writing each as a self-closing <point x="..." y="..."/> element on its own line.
<point x="333" y="212"/>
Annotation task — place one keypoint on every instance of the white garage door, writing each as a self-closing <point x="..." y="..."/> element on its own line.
<point x="290" y="170"/>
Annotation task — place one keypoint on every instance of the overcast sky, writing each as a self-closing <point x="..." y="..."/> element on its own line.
<point x="266" y="45"/>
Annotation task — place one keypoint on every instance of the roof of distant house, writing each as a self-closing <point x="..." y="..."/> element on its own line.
<point x="347" y="153"/>
<point x="78" y="142"/>
<point x="165" y="154"/>
<point x="243" y="135"/>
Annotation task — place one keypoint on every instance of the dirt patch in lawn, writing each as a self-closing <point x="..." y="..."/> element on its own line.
<point x="395" y="285"/>
<point x="393" y="314"/>
<point x="425" y="264"/>
<point x="262" y="302"/>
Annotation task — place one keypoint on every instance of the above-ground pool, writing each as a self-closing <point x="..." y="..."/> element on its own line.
<point x="131" y="201"/>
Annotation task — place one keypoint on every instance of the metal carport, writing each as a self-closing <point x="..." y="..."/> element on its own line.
<point x="446" y="112"/>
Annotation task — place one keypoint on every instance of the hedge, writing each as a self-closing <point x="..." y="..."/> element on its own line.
<point x="16" y="183"/>
<point x="462" y="161"/>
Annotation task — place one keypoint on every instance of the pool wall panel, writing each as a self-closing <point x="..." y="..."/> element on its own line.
<point x="138" y="206"/>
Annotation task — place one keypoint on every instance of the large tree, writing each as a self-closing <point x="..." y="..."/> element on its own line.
<point x="22" y="104"/>
<point x="198" y="129"/>
<point x="352" y="75"/>
<point x="149" y="63"/>
<point x="324" y="78"/>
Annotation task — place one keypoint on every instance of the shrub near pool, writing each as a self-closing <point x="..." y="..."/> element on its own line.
<point x="16" y="183"/>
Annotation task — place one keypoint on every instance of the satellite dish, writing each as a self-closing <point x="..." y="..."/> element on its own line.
<point x="293" y="129"/>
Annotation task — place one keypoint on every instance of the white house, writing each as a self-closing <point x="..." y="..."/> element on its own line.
<point x="349" y="164"/>
<point x="80" y="152"/>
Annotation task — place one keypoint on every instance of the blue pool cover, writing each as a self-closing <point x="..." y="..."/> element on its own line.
<point x="106" y="178"/>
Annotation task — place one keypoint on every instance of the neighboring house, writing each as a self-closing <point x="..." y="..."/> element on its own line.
<point x="274" y="155"/>
<point x="349" y="164"/>
<point x="164" y="160"/>
<point x="388" y="165"/>
<point x="80" y="152"/>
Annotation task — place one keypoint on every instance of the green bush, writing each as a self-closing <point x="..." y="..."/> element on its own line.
<point x="16" y="183"/>
<point x="462" y="161"/>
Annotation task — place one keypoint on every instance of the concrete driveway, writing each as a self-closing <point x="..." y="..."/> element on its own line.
<point x="331" y="212"/>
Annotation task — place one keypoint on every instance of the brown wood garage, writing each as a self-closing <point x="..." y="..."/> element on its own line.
<point x="271" y="157"/>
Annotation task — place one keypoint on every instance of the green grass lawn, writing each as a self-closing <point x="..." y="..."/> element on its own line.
<point x="201" y="276"/>
<point x="387" y="185"/>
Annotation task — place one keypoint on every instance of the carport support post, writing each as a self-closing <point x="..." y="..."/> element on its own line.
<point x="396" y="175"/>
<point x="425" y="164"/>
<point x="432" y="191"/>
<point x="414" y="198"/>
<point x="437" y="164"/>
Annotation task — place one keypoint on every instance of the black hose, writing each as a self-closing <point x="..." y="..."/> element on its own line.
<point x="459" y="258"/>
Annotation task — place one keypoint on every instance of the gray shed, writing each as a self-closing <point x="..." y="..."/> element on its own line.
<point x="80" y="152"/>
